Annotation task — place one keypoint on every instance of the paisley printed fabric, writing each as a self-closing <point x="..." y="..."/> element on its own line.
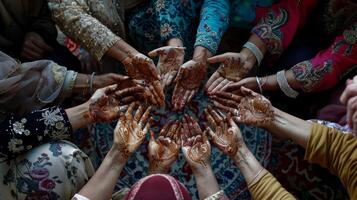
<point x="20" y="134"/>
<point x="49" y="171"/>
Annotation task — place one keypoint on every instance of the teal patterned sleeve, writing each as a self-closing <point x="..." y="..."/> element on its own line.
<point x="214" y="22"/>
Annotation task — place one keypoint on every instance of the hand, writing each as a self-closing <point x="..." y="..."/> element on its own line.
<point x="253" y="108"/>
<point x="225" y="135"/>
<point x="164" y="151"/>
<point x="34" y="47"/>
<point x="234" y="67"/>
<point x="195" y="145"/>
<point x="170" y="60"/>
<point x="88" y="63"/>
<point x="105" y="103"/>
<point x="349" y="98"/>
<point x="188" y="81"/>
<point x="143" y="68"/>
<point x="131" y="129"/>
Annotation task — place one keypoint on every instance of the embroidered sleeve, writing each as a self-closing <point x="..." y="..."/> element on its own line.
<point x="217" y="196"/>
<point x="75" y="20"/>
<point x="20" y="134"/>
<point x="278" y="27"/>
<point x="328" y="66"/>
<point x="214" y="21"/>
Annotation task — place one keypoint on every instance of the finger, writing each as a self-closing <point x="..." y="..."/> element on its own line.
<point x="128" y="92"/>
<point x="31" y="54"/>
<point x="351" y="109"/>
<point x="165" y="129"/>
<point x="172" y="130"/>
<point x="210" y="132"/>
<point x="235" y="99"/>
<point x="236" y="86"/>
<point x="247" y="92"/>
<point x="212" y="79"/>
<point x="110" y="89"/>
<point x="176" y="136"/>
<point x="159" y="91"/>
<point x="156" y="52"/>
<point x="354" y="126"/>
<point x="225" y="87"/>
<point x="225" y="108"/>
<point x="214" y="85"/>
<point x="226" y="102"/>
<point x="31" y="45"/>
<point x="222" y="84"/>
<point x="350" y="91"/>
<point x="129" y="112"/>
<point x="190" y="96"/>
<point x="210" y="119"/>
<point x="231" y="122"/>
<point x="217" y="59"/>
<point x="139" y="112"/>
<point x="179" y="75"/>
<point x="127" y="100"/>
<point x="217" y="118"/>
<point x="147" y="129"/>
<point x="145" y="116"/>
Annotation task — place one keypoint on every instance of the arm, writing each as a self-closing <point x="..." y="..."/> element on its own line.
<point x="214" y="21"/>
<point x="75" y="21"/>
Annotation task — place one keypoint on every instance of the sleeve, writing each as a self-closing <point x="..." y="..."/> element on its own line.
<point x="335" y="151"/>
<point x="20" y="134"/>
<point x="279" y="25"/>
<point x="75" y="20"/>
<point x="214" y="21"/>
<point x="28" y="86"/>
<point x="267" y="187"/>
<point x="79" y="197"/>
<point x="44" y="26"/>
<point x="328" y="66"/>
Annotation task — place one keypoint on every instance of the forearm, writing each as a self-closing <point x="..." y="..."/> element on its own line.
<point x="206" y="182"/>
<point x="201" y="54"/>
<point x="287" y="126"/>
<point x="121" y="50"/>
<point x="79" y="116"/>
<point x="101" y="185"/>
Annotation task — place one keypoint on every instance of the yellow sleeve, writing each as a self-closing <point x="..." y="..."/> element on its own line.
<point x="267" y="187"/>
<point x="336" y="151"/>
<point x="75" y="20"/>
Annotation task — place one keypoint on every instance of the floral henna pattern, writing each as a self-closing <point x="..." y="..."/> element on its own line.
<point x="164" y="151"/>
<point x="131" y="130"/>
<point x="195" y="145"/>
<point x="232" y="69"/>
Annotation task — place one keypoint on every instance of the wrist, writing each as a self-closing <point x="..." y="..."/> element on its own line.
<point x="176" y="42"/>
<point x="202" y="171"/>
<point x="201" y="54"/>
<point x="79" y="116"/>
<point x="123" y="51"/>
<point x="116" y="158"/>
<point x="81" y="84"/>
<point x="249" y="57"/>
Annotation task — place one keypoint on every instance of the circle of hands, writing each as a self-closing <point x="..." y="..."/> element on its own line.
<point x="229" y="107"/>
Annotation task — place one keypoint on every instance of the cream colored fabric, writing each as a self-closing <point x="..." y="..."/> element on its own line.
<point x="95" y="24"/>
<point x="335" y="151"/>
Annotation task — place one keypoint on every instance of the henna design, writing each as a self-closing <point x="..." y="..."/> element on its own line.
<point x="232" y="69"/>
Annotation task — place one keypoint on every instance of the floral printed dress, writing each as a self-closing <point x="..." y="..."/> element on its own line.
<point x="35" y="163"/>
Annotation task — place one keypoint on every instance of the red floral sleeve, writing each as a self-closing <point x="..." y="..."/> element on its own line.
<point x="278" y="26"/>
<point x="328" y="66"/>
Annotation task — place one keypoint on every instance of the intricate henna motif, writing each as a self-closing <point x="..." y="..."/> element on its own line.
<point x="232" y="69"/>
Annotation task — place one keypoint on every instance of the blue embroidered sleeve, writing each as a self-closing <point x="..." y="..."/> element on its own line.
<point x="20" y="134"/>
<point x="214" y="22"/>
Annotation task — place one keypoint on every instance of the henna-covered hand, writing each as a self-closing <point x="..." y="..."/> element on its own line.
<point x="195" y="145"/>
<point x="170" y="60"/>
<point x="142" y="68"/>
<point x="104" y="105"/>
<point x="234" y="67"/>
<point x="252" y="109"/>
<point x="223" y="134"/>
<point x="131" y="129"/>
<point x="188" y="81"/>
<point x="164" y="150"/>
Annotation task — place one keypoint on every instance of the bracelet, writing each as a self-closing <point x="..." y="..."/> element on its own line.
<point x="259" y="85"/>
<point x="255" y="50"/>
<point x="91" y="83"/>
<point x="284" y="85"/>
<point x="255" y="177"/>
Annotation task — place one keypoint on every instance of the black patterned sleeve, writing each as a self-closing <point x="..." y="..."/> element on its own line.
<point x="20" y="134"/>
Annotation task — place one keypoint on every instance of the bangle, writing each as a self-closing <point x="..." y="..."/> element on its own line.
<point x="91" y="83"/>
<point x="255" y="50"/>
<point x="284" y="85"/>
<point x="255" y="177"/>
<point x="259" y="85"/>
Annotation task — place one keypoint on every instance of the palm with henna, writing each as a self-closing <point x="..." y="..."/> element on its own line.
<point x="188" y="81"/>
<point x="253" y="108"/>
<point x="164" y="150"/>
<point x="142" y="68"/>
<point x="221" y="132"/>
<point x="195" y="145"/>
<point x="131" y="129"/>
<point x="170" y="60"/>
<point x="104" y="105"/>
<point x="234" y="67"/>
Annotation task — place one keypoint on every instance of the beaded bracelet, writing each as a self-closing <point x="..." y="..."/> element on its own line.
<point x="255" y="50"/>
<point x="284" y="85"/>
